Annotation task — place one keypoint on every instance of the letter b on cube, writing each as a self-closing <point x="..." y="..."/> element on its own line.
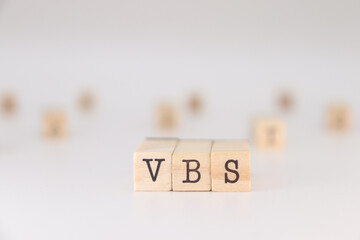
<point x="191" y="165"/>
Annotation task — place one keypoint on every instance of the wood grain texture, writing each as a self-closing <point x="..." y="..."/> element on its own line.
<point x="269" y="133"/>
<point x="230" y="166"/>
<point x="154" y="152"/>
<point x="55" y="124"/>
<point x="191" y="166"/>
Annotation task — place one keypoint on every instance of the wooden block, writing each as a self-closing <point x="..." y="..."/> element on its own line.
<point x="191" y="165"/>
<point x="55" y="125"/>
<point x="8" y="104"/>
<point x="86" y="101"/>
<point x="270" y="133"/>
<point x="195" y="103"/>
<point x="230" y="166"/>
<point x="167" y="118"/>
<point x="286" y="101"/>
<point x="339" y="117"/>
<point x="152" y="165"/>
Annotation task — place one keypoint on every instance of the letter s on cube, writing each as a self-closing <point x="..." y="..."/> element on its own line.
<point x="230" y="166"/>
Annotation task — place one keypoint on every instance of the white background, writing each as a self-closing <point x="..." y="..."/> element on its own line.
<point x="133" y="54"/>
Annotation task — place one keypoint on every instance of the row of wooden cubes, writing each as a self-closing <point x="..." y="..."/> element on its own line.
<point x="192" y="165"/>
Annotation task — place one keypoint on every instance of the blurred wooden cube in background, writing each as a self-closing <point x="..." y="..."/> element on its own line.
<point x="55" y="124"/>
<point x="339" y="117"/>
<point x="195" y="103"/>
<point x="87" y="101"/>
<point x="269" y="133"/>
<point x="8" y="104"/>
<point x="167" y="117"/>
<point x="286" y="101"/>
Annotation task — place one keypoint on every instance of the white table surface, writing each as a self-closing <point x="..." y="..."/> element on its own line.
<point x="82" y="188"/>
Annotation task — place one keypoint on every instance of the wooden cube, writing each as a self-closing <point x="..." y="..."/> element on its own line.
<point x="167" y="117"/>
<point x="195" y="103"/>
<point x="270" y="133"/>
<point x="86" y="101"/>
<point x="286" y="101"/>
<point x="230" y="166"/>
<point x="55" y="125"/>
<point x="191" y="165"/>
<point x="152" y="165"/>
<point x="339" y="117"/>
<point x="8" y="104"/>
